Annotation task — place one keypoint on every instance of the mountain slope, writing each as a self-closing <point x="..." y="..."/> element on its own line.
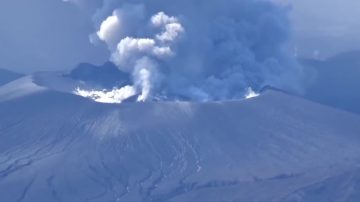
<point x="276" y="147"/>
<point x="336" y="81"/>
<point x="7" y="76"/>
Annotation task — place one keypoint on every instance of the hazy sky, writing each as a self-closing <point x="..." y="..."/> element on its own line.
<point x="326" y="27"/>
<point x="51" y="34"/>
<point x="45" y="34"/>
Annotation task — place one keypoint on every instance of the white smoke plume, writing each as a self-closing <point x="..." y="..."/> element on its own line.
<point x="199" y="50"/>
<point x="113" y="96"/>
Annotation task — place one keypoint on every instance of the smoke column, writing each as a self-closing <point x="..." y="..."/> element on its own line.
<point x="199" y="50"/>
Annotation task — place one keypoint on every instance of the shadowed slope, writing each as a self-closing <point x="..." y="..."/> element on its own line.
<point x="7" y="76"/>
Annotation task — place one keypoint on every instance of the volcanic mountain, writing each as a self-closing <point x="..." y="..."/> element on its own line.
<point x="57" y="146"/>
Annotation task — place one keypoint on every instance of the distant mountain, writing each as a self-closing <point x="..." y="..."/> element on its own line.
<point x="56" y="146"/>
<point x="349" y="57"/>
<point x="336" y="81"/>
<point x="7" y="76"/>
<point x="106" y="75"/>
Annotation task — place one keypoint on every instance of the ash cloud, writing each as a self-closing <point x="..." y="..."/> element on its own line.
<point x="199" y="50"/>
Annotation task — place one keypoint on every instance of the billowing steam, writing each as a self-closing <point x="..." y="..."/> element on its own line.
<point x="198" y="50"/>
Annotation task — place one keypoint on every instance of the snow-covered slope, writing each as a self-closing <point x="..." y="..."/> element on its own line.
<point x="7" y="76"/>
<point x="56" y="146"/>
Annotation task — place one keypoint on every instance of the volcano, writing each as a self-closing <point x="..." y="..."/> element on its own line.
<point x="56" y="146"/>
